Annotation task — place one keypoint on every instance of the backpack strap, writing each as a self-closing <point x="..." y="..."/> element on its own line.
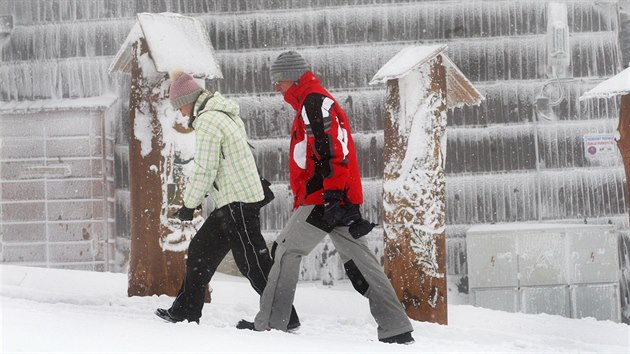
<point x="248" y="143"/>
<point x="201" y="107"/>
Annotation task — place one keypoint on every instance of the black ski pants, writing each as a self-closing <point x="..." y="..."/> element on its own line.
<point x="235" y="227"/>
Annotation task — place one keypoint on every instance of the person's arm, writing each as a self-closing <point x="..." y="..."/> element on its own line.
<point x="207" y="157"/>
<point x="330" y="143"/>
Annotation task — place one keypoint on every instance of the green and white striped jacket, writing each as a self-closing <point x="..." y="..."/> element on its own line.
<point x="224" y="164"/>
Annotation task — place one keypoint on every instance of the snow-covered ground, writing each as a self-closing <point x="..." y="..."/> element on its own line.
<point x="51" y="310"/>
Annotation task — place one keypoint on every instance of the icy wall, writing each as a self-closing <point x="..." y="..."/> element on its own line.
<point x="624" y="31"/>
<point x="502" y="164"/>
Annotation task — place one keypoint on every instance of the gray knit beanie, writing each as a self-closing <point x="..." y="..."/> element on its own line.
<point x="289" y="66"/>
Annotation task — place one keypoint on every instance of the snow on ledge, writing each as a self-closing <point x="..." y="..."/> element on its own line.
<point x="531" y="227"/>
<point x="615" y="86"/>
<point x="98" y="103"/>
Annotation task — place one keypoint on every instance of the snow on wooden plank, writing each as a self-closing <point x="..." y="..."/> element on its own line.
<point x="533" y="227"/>
<point x="90" y="103"/>
<point x="174" y="41"/>
<point x="460" y="91"/>
<point x="406" y="60"/>
<point x="615" y="86"/>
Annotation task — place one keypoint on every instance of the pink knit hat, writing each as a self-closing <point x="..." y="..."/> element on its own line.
<point x="184" y="89"/>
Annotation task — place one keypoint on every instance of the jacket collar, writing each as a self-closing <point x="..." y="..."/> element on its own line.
<point x="200" y="104"/>
<point x="306" y="84"/>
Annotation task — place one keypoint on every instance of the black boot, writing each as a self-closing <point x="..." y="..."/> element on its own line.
<point x="167" y="315"/>
<point x="245" y="324"/>
<point x="293" y="326"/>
<point x="403" y="338"/>
<point x="294" y="321"/>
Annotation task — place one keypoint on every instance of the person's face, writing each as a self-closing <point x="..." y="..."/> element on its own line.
<point x="283" y="86"/>
<point x="186" y="110"/>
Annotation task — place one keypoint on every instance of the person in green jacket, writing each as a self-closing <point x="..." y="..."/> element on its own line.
<point x="225" y="169"/>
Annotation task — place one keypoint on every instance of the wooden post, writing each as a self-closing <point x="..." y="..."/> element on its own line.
<point x="153" y="270"/>
<point x="159" y="153"/>
<point x="623" y="144"/>
<point x="414" y="190"/>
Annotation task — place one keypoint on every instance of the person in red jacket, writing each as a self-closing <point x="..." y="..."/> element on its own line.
<point x="326" y="185"/>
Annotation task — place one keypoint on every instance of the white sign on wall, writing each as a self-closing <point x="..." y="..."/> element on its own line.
<point x="599" y="145"/>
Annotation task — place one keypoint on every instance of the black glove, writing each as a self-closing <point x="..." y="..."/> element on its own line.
<point x="360" y="228"/>
<point x="185" y="214"/>
<point x="336" y="214"/>
<point x="333" y="210"/>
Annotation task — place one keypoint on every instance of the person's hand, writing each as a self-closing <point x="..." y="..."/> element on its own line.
<point x="333" y="210"/>
<point x="185" y="214"/>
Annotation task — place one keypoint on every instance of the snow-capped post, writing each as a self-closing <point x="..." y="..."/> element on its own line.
<point x="618" y="85"/>
<point x="160" y="150"/>
<point x="422" y="83"/>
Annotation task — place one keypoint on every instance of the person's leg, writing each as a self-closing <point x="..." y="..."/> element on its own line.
<point x="297" y="239"/>
<point x="249" y="247"/>
<point x="205" y="252"/>
<point x="368" y="278"/>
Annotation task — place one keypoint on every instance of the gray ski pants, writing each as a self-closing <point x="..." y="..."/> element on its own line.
<point x="297" y="239"/>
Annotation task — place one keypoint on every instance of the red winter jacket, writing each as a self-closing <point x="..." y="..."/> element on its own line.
<point x="322" y="155"/>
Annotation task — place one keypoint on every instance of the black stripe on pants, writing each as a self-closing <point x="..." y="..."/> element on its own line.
<point x="235" y="227"/>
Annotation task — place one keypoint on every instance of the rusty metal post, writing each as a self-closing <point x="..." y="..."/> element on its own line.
<point x="623" y="144"/>
<point x="414" y="191"/>
<point x="152" y="270"/>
